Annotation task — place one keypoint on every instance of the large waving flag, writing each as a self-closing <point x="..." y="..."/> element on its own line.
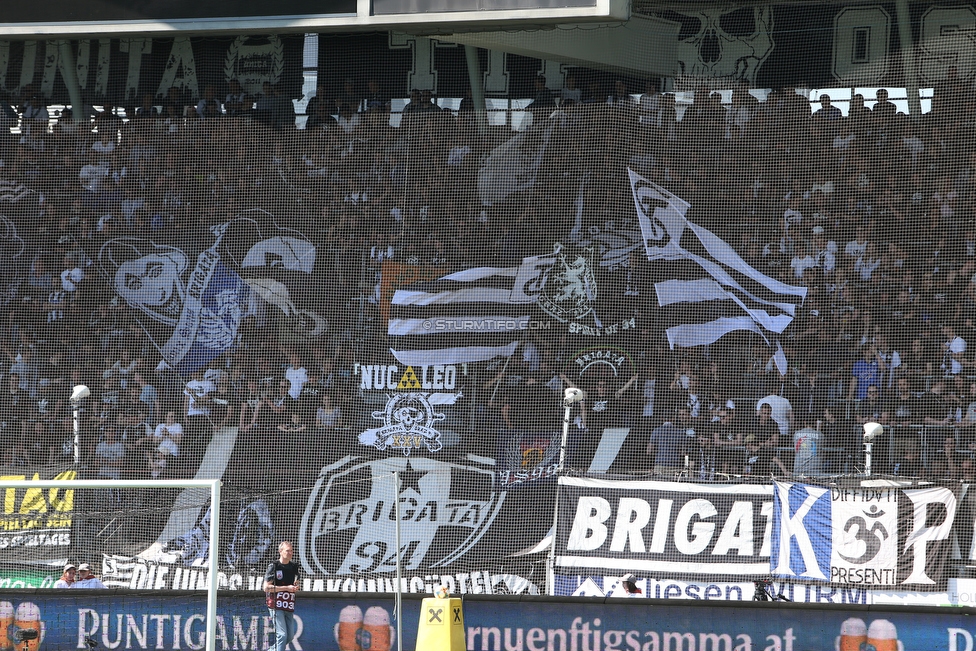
<point x="704" y="291"/>
<point x="710" y="290"/>
<point x="512" y="166"/>
<point x="191" y="293"/>
<point x="468" y="316"/>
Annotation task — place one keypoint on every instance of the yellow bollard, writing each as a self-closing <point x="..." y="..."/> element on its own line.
<point x="441" y="626"/>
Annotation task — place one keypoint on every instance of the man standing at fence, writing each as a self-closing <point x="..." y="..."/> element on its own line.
<point x="280" y="588"/>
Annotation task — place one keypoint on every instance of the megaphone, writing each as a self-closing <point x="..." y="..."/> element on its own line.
<point x="573" y="395"/>
<point x="871" y="430"/>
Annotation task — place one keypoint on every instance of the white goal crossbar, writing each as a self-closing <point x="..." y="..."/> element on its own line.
<point x="213" y="485"/>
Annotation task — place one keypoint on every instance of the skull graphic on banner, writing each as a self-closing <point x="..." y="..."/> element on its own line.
<point x="728" y="45"/>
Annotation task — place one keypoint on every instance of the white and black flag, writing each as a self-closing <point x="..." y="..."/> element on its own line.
<point x="704" y="290"/>
<point x="708" y="290"/>
<point x="513" y="165"/>
<point x="468" y="316"/>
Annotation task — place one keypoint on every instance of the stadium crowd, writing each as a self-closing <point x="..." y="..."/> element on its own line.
<point x="873" y="212"/>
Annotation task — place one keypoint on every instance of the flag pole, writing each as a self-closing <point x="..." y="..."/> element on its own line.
<point x="498" y="384"/>
<point x="399" y="571"/>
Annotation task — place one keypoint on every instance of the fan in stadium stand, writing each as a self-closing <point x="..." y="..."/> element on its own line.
<point x="629" y="583"/>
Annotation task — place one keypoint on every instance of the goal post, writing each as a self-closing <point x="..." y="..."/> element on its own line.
<point x="213" y="485"/>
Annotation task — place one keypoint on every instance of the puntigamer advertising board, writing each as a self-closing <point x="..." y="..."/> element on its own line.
<point x="176" y="622"/>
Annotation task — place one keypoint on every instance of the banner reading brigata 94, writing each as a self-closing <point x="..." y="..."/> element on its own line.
<point x="191" y="302"/>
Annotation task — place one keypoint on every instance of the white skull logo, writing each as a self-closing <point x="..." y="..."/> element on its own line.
<point x="729" y="45"/>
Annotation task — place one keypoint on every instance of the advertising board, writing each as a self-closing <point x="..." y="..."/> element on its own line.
<point x="131" y="621"/>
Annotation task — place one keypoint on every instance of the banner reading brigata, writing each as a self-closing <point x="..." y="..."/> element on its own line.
<point x="664" y="527"/>
<point x="877" y="533"/>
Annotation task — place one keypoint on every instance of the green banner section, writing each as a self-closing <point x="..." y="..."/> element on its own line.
<point x="19" y="576"/>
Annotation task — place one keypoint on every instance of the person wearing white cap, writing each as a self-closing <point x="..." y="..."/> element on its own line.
<point x="86" y="580"/>
<point x="802" y="261"/>
<point x="629" y="583"/>
<point x="67" y="577"/>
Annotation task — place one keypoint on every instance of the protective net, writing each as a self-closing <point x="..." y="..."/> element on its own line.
<point x="301" y="264"/>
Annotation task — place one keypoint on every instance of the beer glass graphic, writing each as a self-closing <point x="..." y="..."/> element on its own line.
<point x="27" y="616"/>
<point x="347" y="630"/>
<point x="377" y="633"/>
<point x="853" y="633"/>
<point x="882" y="636"/>
<point x="6" y="621"/>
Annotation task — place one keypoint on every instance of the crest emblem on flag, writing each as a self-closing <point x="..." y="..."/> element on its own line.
<point x="407" y="425"/>
<point x="568" y="287"/>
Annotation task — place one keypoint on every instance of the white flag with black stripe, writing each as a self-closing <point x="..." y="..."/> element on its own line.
<point x="709" y="290"/>
<point x="468" y="316"/>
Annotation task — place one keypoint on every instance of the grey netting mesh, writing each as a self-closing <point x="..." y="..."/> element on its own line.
<point x="303" y="264"/>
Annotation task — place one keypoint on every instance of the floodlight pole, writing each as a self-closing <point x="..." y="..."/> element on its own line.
<point x="569" y="400"/>
<point x="212" y="484"/>
<point x="76" y="423"/>
<point x="565" y="438"/>
<point x="78" y="393"/>
<point x="871" y="430"/>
